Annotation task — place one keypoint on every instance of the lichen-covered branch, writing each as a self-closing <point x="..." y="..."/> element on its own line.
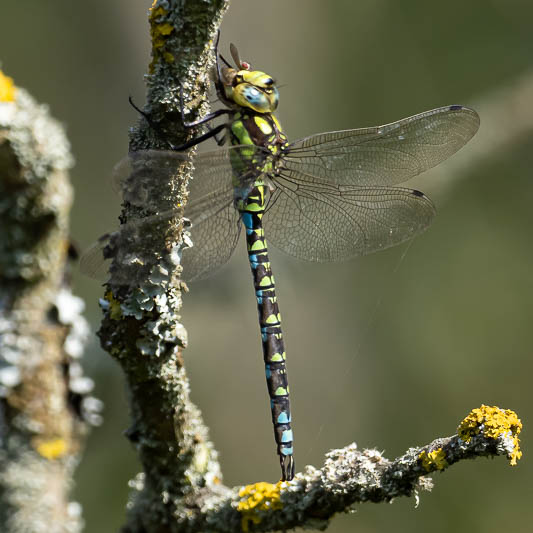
<point x="350" y="476"/>
<point x="44" y="401"/>
<point x="141" y="327"/>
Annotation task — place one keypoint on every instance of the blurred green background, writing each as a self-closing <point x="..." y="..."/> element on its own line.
<point x="390" y="350"/>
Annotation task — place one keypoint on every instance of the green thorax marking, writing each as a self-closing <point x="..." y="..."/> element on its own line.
<point x="250" y="128"/>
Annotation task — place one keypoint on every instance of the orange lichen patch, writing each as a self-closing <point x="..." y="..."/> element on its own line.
<point x="258" y="497"/>
<point x="51" y="449"/>
<point x="7" y="88"/>
<point x="435" y="460"/>
<point x="494" y="423"/>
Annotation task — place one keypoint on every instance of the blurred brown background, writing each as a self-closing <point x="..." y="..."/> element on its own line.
<point x="390" y="350"/>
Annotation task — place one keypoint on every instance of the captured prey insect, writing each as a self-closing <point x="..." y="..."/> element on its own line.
<point x="327" y="197"/>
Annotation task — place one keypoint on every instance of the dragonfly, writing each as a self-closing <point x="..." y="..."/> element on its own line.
<point x="327" y="197"/>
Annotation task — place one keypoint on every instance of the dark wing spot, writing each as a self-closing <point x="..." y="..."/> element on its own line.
<point x="417" y="193"/>
<point x="456" y="107"/>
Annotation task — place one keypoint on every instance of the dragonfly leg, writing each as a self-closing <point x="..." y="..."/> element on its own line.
<point x="197" y="140"/>
<point x="193" y="142"/>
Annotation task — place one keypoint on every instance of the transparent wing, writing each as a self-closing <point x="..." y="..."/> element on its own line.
<point x="320" y="221"/>
<point x="214" y="233"/>
<point x="384" y="155"/>
<point x="130" y="248"/>
<point x="214" y="221"/>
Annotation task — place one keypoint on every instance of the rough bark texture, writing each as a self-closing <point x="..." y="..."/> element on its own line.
<point x="141" y="327"/>
<point x="43" y="393"/>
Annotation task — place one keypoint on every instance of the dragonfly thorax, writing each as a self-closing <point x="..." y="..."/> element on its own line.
<point x="258" y="129"/>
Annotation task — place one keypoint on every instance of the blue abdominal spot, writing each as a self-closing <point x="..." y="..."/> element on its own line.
<point x="286" y="436"/>
<point x="247" y="220"/>
<point x="283" y="418"/>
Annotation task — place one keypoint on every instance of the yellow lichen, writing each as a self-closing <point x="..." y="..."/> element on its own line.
<point x="256" y="498"/>
<point x="159" y="31"/>
<point x="52" y="448"/>
<point x="169" y="58"/>
<point x="165" y="29"/>
<point x="494" y="423"/>
<point x="435" y="460"/>
<point x="7" y="88"/>
<point x="115" y="311"/>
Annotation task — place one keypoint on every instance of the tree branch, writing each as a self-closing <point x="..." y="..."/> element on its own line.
<point x="43" y="393"/>
<point x="141" y="327"/>
<point x="348" y="477"/>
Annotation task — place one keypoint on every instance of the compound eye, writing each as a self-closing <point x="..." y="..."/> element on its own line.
<point x="252" y="94"/>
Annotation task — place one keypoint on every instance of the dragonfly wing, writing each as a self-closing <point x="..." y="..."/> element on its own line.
<point x="214" y="221"/>
<point x="214" y="236"/>
<point x="384" y="155"/>
<point x="320" y="221"/>
<point x="92" y="261"/>
<point x="129" y="248"/>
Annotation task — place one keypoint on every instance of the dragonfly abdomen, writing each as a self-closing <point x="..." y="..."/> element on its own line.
<point x="271" y="334"/>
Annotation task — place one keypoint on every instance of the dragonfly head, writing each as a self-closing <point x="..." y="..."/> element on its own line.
<point x="253" y="89"/>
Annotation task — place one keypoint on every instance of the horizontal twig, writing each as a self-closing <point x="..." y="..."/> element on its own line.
<point x="348" y="477"/>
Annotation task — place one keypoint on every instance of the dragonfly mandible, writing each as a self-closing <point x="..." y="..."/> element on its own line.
<point x="327" y="197"/>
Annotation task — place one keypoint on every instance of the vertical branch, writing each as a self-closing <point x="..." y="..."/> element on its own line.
<point x="141" y="327"/>
<point x="43" y="394"/>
